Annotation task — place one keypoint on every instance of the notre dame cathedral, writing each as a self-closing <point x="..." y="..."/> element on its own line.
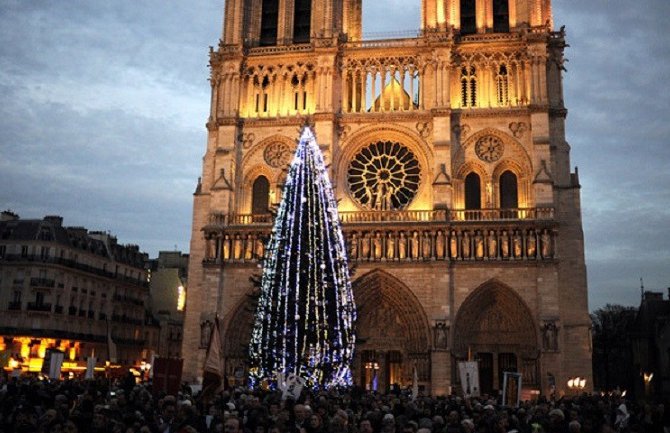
<point x="447" y="152"/>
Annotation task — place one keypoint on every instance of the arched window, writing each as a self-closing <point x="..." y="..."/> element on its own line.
<point x="269" y="21"/>
<point x="473" y="192"/>
<point x="509" y="192"/>
<point x="302" y="21"/>
<point x="468" y="17"/>
<point x="502" y="85"/>
<point x="468" y="86"/>
<point x="501" y="16"/>
<point x="260" y="196"/>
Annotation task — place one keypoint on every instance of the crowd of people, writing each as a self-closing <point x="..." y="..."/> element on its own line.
<point x="29" y="405"/>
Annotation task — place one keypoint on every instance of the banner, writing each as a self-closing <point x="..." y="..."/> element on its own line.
<point x="469" y="375"/>
<point x="291" y="385"/>
<point x="53" y="361"/>
<point x="511" y="389"/>
<point x="90" y="367"/>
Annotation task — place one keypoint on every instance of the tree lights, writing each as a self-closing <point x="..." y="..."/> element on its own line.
<point x="304" y="321"/>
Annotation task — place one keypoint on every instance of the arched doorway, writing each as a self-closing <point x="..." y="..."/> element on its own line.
<point x="237" y="334"/>
<point x="393" y="335"/>
<point x="496" y="327"/>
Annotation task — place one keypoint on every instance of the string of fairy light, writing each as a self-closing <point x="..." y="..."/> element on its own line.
<point x="304" y="321"/>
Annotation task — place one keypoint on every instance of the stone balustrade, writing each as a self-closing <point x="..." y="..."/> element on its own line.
<point x="482" y="235"/>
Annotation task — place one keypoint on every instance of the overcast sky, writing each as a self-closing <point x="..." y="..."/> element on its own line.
<point x="103" y="105"/>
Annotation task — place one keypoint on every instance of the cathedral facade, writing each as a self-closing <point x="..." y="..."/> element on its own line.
<point x="448" y="156"/>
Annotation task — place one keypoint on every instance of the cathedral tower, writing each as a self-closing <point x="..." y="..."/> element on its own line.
<point x="448" y="154"/>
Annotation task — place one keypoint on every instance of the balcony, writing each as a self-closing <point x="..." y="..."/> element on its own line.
<point x="218" y="220"/>
<point x="465" y="236"/>
<point x="72" y="311"/>
<point x="58" y="309"/>
<point x="37" y="306"/>
<point x="14" y="306"/>
<point x="42" y="282"/>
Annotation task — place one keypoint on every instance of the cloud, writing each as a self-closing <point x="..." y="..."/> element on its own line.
<point x="103" y="105"/>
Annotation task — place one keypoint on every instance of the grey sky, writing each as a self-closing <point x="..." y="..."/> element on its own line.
<point x="103" y="104"/>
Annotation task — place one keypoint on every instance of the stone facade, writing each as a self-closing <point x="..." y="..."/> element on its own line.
<point x="448" y="155"/>
<point x="71" y="289"/>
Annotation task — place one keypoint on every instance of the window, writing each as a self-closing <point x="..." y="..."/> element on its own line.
<point x="302" y="21"/>
<point x="39" y="298"/>
<point x="269" y="20"/>
<point x="501" y="16"/>
<point x="502" y="85"/>
<point x="509" y="194"/>
<point x="16" y="296"/>
<point x="468" y="17"/>
<point x="473" y="192"/>
<point x="468" y="86"/>
<point x="24" y="251"/>
<point x="3" y="251"/>
<point x="260" y="196"/>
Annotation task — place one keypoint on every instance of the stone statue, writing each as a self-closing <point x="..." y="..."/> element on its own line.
<point x="249" y="247"/>
<point x="414" y="241"/>
<point x="453" y="245"/>
<point x="426" y="246"/>
<point x="390" y="246"/>
<point x="377" y="243"/>
<point x="441" y="334"/>
<point x="545" y="241"/>
<point x="504" y="244"/>
<point x="439" y="245"/>
<point x="402" y="246"/>
<point x="226" y="247"/>
<point x="365" y="247"/>
<point x="479" y="245"/>
<point x="531" y="245"/>
<point x="516" y="244"/>
<point x="465" y="245"/>
<point x="259" y="248"/>
<point x="354" y="246"/>
<point x="237" y="247"/>
<point x="550" y="336"/>
<point x="492" y="245"/>
<point x="205" y="333"/>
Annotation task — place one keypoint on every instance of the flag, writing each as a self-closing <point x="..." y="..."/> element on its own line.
<point x="469" y="375"/>
<point x="90" y="367"/>
<point x="212" y="378"/>
<point x="111" y="345"/>
<point x="415" y="384"/>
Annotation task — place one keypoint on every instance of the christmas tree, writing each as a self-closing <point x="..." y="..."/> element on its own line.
<point x="304" y="323"/>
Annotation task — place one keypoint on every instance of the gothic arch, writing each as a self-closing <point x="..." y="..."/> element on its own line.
<point x="238" y="324"/>
<point x="523" y="181"/>
<point x="252" y="173"/>
<point x="377" y="290"/>
<point x="387" y="132"/>
<point x="494" y="318"/>
<point x="514" y="158"/>
<point x="261" y="145"/>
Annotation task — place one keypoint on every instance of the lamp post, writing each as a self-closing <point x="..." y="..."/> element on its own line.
<point x="576" y="384"/>
<point x="647" y="378"/>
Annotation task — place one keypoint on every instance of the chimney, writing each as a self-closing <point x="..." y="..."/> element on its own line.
<point x="56" y="220"/>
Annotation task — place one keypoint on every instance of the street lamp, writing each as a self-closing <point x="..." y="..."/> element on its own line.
<point x="372" y="368"/>
<point x="576" y="383"/>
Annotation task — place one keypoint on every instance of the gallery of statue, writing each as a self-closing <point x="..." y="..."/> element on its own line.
<point x="447" y="153"/>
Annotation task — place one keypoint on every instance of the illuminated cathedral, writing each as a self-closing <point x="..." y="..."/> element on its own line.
<point x="448" y="157"/>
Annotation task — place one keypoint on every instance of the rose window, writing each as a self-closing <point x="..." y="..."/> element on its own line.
<point x="384" y="176"/>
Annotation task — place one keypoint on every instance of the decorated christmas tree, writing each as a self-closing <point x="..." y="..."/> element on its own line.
<point x="304" y="323"/>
